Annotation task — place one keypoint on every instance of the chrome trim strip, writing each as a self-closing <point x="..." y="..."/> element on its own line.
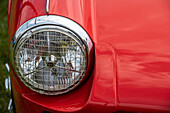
<point x="47" y="6"/>
<point x="7" y="80"/>
<point x="10" y="106"/>
<point x="7" y="66"/>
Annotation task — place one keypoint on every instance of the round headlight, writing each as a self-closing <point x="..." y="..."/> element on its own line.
<point x="51" y="58"/>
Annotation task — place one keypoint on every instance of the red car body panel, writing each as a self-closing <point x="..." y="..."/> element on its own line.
<point x="131" y="70"/>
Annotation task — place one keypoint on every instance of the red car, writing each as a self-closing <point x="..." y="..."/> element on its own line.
<point x="89" y="56"/>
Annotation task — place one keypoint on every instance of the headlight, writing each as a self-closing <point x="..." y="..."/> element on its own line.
<point x="50" y="54"/>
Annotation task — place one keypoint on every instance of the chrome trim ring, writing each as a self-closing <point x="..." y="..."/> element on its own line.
<point x="51" y="22"/>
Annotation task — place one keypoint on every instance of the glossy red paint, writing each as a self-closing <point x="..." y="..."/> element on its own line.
<point x="139" y="31"/>
<point x="132" y="59"/>
<point x="22" y="11"/>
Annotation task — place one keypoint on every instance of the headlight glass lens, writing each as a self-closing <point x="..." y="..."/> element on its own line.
<point x="50" y="60"/>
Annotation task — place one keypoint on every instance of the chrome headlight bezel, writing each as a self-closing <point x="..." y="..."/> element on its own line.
<point x="52" y="23"/>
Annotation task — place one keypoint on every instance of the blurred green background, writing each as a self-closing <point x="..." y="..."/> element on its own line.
<point x="4" y="94"/>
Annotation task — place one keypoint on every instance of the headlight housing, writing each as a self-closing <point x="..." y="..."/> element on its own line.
<point x="51" y="54"/>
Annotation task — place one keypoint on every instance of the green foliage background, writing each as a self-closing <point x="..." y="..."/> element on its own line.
<point x="4" y="94"/>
